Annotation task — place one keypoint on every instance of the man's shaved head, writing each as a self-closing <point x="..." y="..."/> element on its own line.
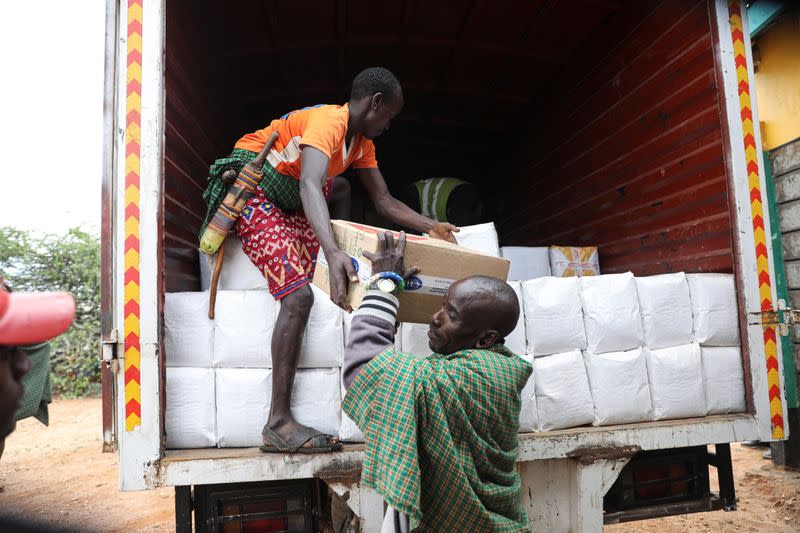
<point x="498" y="299"/>
<point x="477" y="312"/>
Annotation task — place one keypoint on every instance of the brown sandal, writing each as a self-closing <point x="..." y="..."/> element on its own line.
<point x="274" y="443"/>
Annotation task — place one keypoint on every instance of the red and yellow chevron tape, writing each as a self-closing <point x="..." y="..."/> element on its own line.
<point x="133" y="106"/>
<point x="757" y="211"/>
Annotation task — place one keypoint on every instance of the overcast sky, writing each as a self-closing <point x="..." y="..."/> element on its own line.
<point x="51" y="57"/>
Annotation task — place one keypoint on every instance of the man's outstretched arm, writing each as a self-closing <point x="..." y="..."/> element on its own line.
<point x="372" y="331"/>
<point x="373" y="328"/>
<point x="395" y="210"/>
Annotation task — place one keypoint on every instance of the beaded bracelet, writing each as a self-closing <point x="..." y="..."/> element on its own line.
<point x="400" y="283"/>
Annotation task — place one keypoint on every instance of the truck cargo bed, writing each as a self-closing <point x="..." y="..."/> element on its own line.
<point x="225" y="465"/>
<point x="634" y="134"/>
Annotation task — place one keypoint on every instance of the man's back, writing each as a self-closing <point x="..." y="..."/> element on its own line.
<point x="442" y="436"/>
<point x="440" y="432"/>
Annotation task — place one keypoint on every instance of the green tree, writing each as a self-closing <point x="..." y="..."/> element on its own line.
<point x="69" y="262"/>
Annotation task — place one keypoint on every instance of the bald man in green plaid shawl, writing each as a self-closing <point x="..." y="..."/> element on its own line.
<point x="441" y="431"/>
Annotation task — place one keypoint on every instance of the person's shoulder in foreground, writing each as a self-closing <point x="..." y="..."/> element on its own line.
<point x="25" y="318"/>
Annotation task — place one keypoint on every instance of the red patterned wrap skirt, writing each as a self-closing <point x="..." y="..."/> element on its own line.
<point x="280" y="243"/>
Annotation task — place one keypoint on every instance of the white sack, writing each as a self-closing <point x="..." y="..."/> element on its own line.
<point x="188" y="332"/>
<point x="563" y="399"/>
<point x="414" y="339"/>
<point x="515" y="341"/>
<point x="611" y="313"/>
<point x="205" y="271"/>
<point x="620" y="390"/>
<point x="527" y="262"/>
<point x="243" y="398"/>
<point x="349" y="431"/>
<point x="528" y="413"/>
<point x="724" y="380"/>
<point x="676" y="381"/>
<point x="323" y="340"/>
<point x="244" y="324"/>
<point x="480" y="237"/>
<point x="553" y="316"/>
<point x="317" y="398"/>
<point x="666" y="310"/>
<point x="238" y="272"/>
<point x="244" y="395"/>
<point x="715" y="310"/>
<point x="190" y="420"/>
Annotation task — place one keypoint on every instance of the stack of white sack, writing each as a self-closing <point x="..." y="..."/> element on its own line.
<point x="188" y="332"/>
<point x="239" y="338"/>
<point x="480" y="237"/>
<point x="611" y="313"/>
<point x="619" y="386"/>
<point x="724" y="379"/>
<point x="527" y="262"/>
<point x="666" y="310"/>
<point x="563" y="398"/>
<point x="714" y="309"/>
<point x="190" y="420"/>
<point x="690" y="365"/>
<point x="676" y="381"/>
<point x="553" y="315"/>
<point x="528" y="413"/>
<point x="243" y="401"/>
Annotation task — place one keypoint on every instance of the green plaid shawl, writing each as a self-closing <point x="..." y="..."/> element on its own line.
<point x="441" y="437"/>
<point x="37" y="384"/>
<point x="282" y="190"/>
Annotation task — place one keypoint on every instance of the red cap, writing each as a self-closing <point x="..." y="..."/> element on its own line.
<point x="28" y="318"/>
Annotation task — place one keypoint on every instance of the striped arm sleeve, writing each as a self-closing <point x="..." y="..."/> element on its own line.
<point x="372" y="331"/>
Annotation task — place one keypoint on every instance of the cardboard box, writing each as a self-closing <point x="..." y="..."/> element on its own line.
<point x="442" y="264"/>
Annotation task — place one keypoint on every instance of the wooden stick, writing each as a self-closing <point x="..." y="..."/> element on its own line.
<point x="258" y="162"/>
<point x="212" y="299"/>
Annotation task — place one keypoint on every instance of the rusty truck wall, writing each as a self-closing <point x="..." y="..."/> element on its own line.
<point x="630" y="156"/>
<point x="192" y="142"/>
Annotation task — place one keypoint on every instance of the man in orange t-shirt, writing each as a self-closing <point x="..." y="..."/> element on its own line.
<point x="284" y="224"/>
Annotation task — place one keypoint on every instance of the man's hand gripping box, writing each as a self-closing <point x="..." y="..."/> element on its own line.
<point x="442" y="264"/>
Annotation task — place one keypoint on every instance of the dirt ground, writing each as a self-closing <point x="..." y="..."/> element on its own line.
<point x="58" y="475"/>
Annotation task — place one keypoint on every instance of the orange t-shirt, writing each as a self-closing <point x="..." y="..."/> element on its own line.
<point x="324" y="127"/>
